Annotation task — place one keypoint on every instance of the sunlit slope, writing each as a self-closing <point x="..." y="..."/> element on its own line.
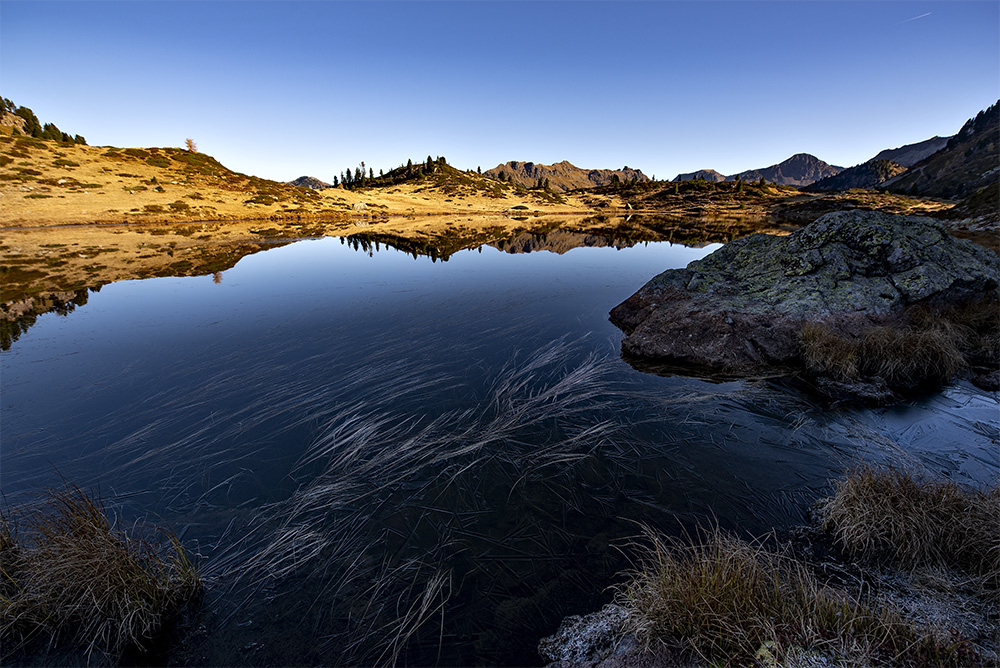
<point x="44" y="182"/>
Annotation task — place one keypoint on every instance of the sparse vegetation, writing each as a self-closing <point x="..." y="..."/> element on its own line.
<point x="736" y="601"/>
<point x="925" y="346"/>
<point x="67" y="573"/>
<point x="890" y="515"/>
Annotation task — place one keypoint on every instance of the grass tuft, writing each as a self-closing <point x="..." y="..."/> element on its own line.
<point x="67" y="572"/>
<point x="890" y="515"/>
<point x="735" y="601"/>
<point x="926" y="346"/>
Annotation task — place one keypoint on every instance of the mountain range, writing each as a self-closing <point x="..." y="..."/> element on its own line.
<point x="969" y="162"/>
<point x="561" y="176"/>
<point x="799" y="170"/>
<point x="886" y="165"/>
<point x="911" y="154"/>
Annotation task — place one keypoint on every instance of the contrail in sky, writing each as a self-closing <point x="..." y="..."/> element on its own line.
<point x="917" y="17"/>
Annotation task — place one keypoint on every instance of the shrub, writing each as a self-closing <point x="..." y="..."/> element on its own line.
<point x="69" y="573"/>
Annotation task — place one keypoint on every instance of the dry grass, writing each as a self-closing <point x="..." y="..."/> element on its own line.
<point x="926" y="346"/>
<point x="888" y="514"/>
<point x="733" y="601"/>
<point x="70" y="574"/>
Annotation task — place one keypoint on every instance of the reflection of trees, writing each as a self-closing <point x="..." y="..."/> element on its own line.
<point x="17" y="317"/>
<point x="439" y="248"/>
<point x="594" y="231"/>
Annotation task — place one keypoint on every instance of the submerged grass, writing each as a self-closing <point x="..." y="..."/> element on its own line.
<point x="892" y="515"/>
<point x="733" y="601"/>
<point x="69" y="574"/>
<point x="374" y="485"/>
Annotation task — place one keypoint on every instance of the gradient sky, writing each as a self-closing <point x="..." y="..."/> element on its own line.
<point x="283" y="89"/>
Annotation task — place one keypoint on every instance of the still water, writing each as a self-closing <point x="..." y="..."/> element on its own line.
<point x="380" y="457"/>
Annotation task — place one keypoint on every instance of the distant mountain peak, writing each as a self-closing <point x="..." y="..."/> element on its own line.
<point x="309" y="182"/>
<point x="802" y="169"/>
<point x="562" y="175"/>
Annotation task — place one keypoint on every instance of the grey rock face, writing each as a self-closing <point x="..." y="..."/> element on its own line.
<point x="740" y="310"/>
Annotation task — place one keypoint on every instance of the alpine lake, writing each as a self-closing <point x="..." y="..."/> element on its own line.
<point x="384" y="452"/>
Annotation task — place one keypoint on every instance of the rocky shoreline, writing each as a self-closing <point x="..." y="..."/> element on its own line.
<point x="935" y="600"/>
<point x="741" y="311"/>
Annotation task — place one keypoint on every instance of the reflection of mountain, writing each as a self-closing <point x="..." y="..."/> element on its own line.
<point x="594" y="232"/>
<point x="556" y="241"/>
<point x="562" y="176"/>
<point x="17" y="317"/>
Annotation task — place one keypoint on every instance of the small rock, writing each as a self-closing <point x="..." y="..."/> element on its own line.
<point x="592" y="637"/>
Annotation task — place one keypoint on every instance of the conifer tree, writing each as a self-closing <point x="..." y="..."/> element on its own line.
<point x="32" y="127"/>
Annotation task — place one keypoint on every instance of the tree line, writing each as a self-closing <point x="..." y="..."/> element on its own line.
<point x="362" y="176"/>
<point x="34" y="128"/>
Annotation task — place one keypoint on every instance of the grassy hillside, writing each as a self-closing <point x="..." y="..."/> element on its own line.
<point x="46" y="182"/>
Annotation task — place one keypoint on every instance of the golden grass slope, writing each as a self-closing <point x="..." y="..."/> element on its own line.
<point x="51" y="183"/>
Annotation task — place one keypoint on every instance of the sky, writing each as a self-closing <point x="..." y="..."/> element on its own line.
<point x="285" y="89"/>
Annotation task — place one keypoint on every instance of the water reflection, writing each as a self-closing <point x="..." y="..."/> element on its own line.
<point x="40" y="277"/>
<point x="380" y="456"/>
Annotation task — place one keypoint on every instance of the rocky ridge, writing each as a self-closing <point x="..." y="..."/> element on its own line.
<point x="799" y="170"/>
<point x="562" y="176"/>
<point x="910" y="154"/>
<point x="702" y="174"/>
<point x="866" y="175"/>
<point x="969" y="162"/>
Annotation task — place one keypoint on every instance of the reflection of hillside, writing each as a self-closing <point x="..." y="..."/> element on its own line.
<point x="56" y="278"/>
<point x="52" y="270"/>
<point x="17" y="317"/>
<point x="561" y="236"/>
<point x="687" y="231"/>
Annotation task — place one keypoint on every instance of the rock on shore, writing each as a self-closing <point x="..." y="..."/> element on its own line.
<point x="740" y="310"/>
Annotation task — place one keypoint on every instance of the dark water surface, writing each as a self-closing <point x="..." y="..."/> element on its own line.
<point x="380" y="457"/>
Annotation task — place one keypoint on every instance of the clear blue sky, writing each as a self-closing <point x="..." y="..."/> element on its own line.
<point x="283" y="89"/>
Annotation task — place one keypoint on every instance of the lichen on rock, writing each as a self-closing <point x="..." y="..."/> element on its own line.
<point x="740" y="310"/>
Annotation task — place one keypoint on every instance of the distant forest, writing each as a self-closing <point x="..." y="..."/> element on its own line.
<point x="34" y="128"/>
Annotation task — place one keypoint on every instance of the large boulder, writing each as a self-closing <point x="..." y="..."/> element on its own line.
<point x="741" y="310"/>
